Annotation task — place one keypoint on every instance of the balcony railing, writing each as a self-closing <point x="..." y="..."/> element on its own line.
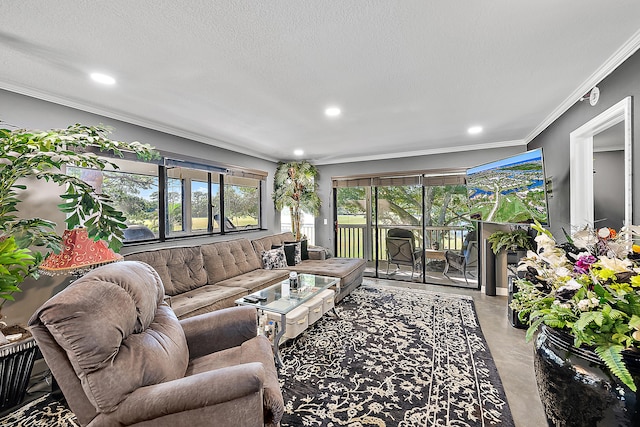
<point x="307" y="230"/>
<point x="352" y="242"/>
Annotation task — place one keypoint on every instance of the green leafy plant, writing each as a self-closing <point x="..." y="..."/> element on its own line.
<point x="29" y="154"/>
<point x="510" y="240"/>
<point x="15" y="265"/>
<point x="588" y="287"/>
<point x="295" y="186"/>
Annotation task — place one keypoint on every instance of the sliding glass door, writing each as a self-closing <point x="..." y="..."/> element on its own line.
<point x="398" y="217"/>
<point x="450" y="258"/>
<point x="410" y="228"/>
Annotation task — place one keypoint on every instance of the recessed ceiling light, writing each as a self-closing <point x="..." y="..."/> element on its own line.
<point x="298" y="152"/>
<point x="103" y="79"/>
<point x="474" y="130"/>
<point x="332" y="112"/>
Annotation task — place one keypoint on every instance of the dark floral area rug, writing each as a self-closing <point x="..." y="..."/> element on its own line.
<point x="395" y="357"/>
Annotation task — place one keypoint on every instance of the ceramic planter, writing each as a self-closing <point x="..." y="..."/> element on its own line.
<point x="577" y="389"/>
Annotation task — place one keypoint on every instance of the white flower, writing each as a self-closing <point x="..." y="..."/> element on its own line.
<point x="585" y="238"/>
<point x="545" y="242"/>
<point x="615" y="264"/>
<point x="561" y="304"/>
<point x="562" y="271"/>
<point x="604" y="232"/>
<point x="554" y="258"/>
<point x="571" y="285"/>
<point x="583" y="304"/>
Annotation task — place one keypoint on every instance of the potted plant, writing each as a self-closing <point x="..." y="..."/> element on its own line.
<point x="42" y="155"/>
<point x="295" y="186"/>
<point x="584" y="297"/>
<point x="512" y="240"/>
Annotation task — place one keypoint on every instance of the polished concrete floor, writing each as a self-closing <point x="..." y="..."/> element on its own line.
<point x="512" y="354"/>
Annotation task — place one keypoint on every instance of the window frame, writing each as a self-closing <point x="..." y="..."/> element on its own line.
<point x="216" y="174"/>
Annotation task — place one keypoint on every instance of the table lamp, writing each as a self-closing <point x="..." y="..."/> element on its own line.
<point x="79" y="254"/>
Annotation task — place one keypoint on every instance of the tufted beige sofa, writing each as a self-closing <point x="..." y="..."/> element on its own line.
<point x="201" y="279"/>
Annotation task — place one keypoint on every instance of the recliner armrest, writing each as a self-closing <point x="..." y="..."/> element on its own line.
<point x="191" y="393"/>
<point x="219" y="330"/>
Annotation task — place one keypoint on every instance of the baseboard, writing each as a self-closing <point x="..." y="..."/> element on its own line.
<point x="502" y="292"/>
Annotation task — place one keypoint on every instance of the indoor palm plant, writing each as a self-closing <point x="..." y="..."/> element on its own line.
<point x="41" y="155"/>
<point x="585" y="295"/>
<point x="295" y="186"/>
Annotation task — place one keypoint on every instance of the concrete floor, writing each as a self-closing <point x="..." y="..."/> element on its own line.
<point x="512" y="355"/>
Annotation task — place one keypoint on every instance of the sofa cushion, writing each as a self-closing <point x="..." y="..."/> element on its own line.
<point x="127" y="338"/>
<point x="205" y="299"/>
<point x="344" y="268"/>
<point x="181" y="269"/>
<point x="274" y="258"/>
<point x="265" y="243"/>
<point x="304" y="249"/>
<point x="255" y="280"/>
<point x="293" y="250"/>
<point x="223" y="260"/>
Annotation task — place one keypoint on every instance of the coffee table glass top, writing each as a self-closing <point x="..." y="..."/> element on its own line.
<point x="272" y="299"/>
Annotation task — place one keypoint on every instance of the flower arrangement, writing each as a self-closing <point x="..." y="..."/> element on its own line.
<point x="588" y="287"/>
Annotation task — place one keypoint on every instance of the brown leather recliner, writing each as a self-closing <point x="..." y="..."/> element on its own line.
<point x="121" y="357"/>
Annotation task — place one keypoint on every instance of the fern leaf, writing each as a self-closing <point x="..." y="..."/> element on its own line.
<point x="585" y="319"/>
<point x="611" y="355"/>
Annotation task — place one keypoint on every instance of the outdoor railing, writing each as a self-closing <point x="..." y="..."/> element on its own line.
<point x="353" y="244"/>
<point x="307" y="230"/>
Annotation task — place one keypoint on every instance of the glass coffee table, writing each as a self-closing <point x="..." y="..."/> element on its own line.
<point x="273" y="300"/>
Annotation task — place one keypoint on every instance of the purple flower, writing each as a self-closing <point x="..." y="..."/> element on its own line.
<point x="584" y="263"/>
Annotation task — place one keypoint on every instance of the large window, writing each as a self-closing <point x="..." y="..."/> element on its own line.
<point x="242" y="202"/>
<point x="194" y="200"/>
<point x="134" y="190"/>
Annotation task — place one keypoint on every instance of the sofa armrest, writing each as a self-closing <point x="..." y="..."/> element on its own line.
<point x="317" y="253"/>
<point x="219" y="330"/>
<point x="191" y="393"/>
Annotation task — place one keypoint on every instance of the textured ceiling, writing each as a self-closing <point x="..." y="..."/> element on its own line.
<point x="255" y="76"/>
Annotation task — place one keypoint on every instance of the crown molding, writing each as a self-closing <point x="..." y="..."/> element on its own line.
<point x="135" y="120"/>
<point x="432" y="151"/>
<point x="614" y="61"/>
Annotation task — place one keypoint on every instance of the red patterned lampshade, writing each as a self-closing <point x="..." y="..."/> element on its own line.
<point x="79" y="254"/>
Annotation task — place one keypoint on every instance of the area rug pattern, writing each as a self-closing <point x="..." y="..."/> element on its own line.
<point x="395" y="357"/>
<point x="42" y="412"/>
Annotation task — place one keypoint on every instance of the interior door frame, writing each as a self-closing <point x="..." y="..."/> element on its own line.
<point x="581" y="163"/>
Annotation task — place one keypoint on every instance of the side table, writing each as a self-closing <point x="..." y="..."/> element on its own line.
<point x="16" y="363"/>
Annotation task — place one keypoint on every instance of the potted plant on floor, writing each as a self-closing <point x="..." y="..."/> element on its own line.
<point x="584" y="297"/>
<point x="514" y="240"/>
<point x="27" y="154"/>
<point x="295" y="187"/>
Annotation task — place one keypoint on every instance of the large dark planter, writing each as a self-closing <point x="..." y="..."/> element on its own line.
<point x="576" y="388"/>
<point x="16" y="362"/>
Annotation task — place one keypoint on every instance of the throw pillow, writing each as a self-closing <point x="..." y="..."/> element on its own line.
<point x="289" y="253"/>
<point x="295" y="249"/>
<point x="304" y="249"/>
<point x="274" y="258"/>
